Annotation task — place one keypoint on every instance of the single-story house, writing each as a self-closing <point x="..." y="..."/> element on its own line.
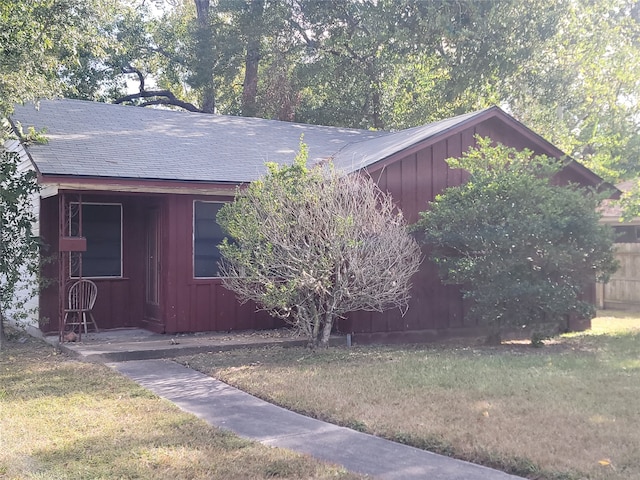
<point x="129" y="199"/>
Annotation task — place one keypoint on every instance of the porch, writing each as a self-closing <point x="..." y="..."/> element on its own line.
<point x="152" y="256"/>
<point x="124" y="344"/>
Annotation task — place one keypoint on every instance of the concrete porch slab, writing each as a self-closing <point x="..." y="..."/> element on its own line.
<point x="121" y="345"/>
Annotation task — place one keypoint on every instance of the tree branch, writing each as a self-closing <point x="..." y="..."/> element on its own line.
<point x="169" y="99"/>
<point x="130" y="69"/>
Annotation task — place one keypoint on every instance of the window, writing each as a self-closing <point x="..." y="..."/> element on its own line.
<point x="102" y="227"/>
<point x="627" y="234"/>
<point x="207" y="235"/>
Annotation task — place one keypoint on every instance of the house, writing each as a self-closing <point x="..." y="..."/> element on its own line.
<point x="129" y="197"/>
<point x="622" y="291"/>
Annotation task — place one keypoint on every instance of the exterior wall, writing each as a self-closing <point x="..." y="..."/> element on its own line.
<point x="187" y="304"/>
<point x="414" y="179"/>
<point x="26" y="296"/>
<point x="194" y="304"/>
<point x="119" y="300"/>
<point x="435" y="309"/>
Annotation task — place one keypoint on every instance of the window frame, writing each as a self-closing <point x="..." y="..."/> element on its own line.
<point x="193" y="239"/>
<point x="100" y="277"/>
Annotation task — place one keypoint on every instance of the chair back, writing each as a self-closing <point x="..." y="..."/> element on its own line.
<point x="82" y="295"/>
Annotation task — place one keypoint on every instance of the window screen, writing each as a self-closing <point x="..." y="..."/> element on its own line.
<point x="207" y="235"/>
<point x="627" y="234"/>
<point x="102" y="227"/>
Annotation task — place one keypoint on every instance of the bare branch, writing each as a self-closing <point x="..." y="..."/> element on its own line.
<point x="165" y="98"/>
<point x="333" y="245"/>
<point x="130" y="69"/>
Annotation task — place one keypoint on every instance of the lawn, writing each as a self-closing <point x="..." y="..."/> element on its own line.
<point x="568" y="410"/>
<point x="61" y="419"/>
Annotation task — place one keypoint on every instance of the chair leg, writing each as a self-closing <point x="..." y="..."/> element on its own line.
<point x="93" y="320"/>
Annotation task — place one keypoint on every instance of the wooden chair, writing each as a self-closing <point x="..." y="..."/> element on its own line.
<point x="82" y="297"/>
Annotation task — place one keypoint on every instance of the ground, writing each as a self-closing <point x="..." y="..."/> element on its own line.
<point x="568" y="410"/>
<point x="62" y="419"/>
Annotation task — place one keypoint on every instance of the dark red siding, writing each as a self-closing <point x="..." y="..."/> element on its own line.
<point x="196" y="305"/>
<point x="186" y="304"/>
<point x="414" y="179"/>
<point x="119" y="300"/>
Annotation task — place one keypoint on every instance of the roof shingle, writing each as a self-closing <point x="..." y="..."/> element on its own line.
<point x="91" y="139"/>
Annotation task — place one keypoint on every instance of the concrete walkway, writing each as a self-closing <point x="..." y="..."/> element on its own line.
<point x="231" y="409"/>
<point x="145" y="357"/>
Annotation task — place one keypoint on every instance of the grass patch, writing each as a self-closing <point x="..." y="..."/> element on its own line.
<point x="62" y="419"/>
<point x="569" y="410"/>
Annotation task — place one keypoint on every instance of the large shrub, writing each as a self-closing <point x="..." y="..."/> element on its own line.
<point x="522" y="247"/>
<point x="310" y="245"/>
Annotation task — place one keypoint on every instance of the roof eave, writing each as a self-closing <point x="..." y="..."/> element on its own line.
<point x="496" y="112"/>
<point x="51" y="184"/>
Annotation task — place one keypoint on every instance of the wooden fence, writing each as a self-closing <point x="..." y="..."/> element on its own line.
<point x="622" y="292"/>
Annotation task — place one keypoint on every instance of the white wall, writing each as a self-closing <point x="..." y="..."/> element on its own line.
<point x="25" y="294"/>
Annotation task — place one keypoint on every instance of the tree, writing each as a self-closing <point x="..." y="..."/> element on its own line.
<point x="19" y="249"/>
<point x="38" y="39"/>
<point x="580" y="88"/>
<point x="311" y="245"/>
<point x="390" y="64"/>
<point x="522" y="247"/>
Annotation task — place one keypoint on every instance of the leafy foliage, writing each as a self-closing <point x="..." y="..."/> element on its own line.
<point x="523" y="248"/>
<point x="43" y="44"/>
<point x="311" y="245"/>
<point x="569" y="70"/>
<point x="18" y="247"/>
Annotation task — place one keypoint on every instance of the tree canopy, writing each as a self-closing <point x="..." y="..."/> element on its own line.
<point x="568" y="69"/>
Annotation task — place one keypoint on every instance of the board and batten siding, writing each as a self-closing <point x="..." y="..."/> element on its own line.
<point x="199" y="304"/>
<point x="26" y="295"/>
<point x="413" y="181"/>
<point x="414" y="178"/>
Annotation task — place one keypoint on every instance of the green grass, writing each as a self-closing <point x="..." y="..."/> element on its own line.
<point x="61" y="419"/>
<point x="570" y="410"/>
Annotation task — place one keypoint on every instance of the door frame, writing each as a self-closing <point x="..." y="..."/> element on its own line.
<point x="153" y="317"/>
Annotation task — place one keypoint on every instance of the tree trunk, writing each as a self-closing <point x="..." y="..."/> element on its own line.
<point x="208" y="100"/>
<point x="314" y="319"/>
<point x="252" y="60"/>
<point x="326" y="331"/>
<point x="202" y="12"/>
<point x="2" y="339"/>
<point x="378" y="124"/>
<point x="376" y="96"/>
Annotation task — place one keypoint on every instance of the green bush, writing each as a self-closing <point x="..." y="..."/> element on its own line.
<point x="522" y="247"/>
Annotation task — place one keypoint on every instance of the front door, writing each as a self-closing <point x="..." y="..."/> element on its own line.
<point x="152" y="287"/>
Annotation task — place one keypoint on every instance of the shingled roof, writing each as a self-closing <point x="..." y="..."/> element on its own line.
<point x="358" y="155"/>
<point x="90" y="139"/>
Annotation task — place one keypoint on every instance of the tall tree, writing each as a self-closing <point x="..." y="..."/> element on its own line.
<point x="580" y="89"/>
<point x="38" y="39"/>
<point x="568" y="69"/>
